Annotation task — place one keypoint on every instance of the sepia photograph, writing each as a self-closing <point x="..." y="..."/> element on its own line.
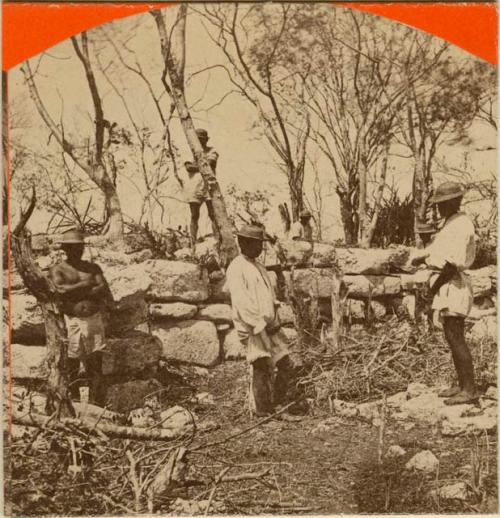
<point x="250" y="267"/>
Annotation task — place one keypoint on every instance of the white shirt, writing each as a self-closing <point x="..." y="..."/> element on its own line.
<point x="455" y="243"/>
<point x="299" y="231"/>
<point x="252" y="295"/>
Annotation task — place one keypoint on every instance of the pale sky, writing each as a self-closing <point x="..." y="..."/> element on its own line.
<point x="245" y="156"/>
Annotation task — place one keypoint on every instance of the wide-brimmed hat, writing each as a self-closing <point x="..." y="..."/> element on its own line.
<point x="305" y="214"/>
<point x="252" y="232"/>
<point x="202" y="132"/>
<point x="447" y="191"/>
<point x="72" y="237"/>
<point x="425" y="228"/>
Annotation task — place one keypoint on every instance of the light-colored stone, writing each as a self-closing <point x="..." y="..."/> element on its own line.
<point x="396" y="400"/>
<point x="456" y="491"/>
<point x="372" y="261"/>
<point x="204" y="399"/>
<point x="29" y="361"/>
<point x="222" y="327"/>
<point x="190" y="341"/>
<point x="132" y="354"/>
<point x="203" y="249"/>
<point x="423" y="408"/>
<point x="220" y="313"/>
<point x="368" y="411"/>
<point x="128" y="285"/>
<point x="492" y="393"/>
<point x="484" y="329"/>
<point x="411" y="281"/>
<point x="378" y="310"/>
<point x="365" y="286"/>
<point x="176" y="418"/>
<point x="27" y="321"/>
<point x="345" y="408"/>
<point x="232" y="347"/>
<point x="477" y="313"/>
<point x="172" y="311"/>
<point x="285" y="314"/>
<point x="355" y="309"/>
<point x="395" y="451"/>
<point x="424" y="461"/>
<point x="303" y="253"/>
<point x="487" y="421"/>
<point x="290" y="334"/>
<point x="316" y="282"/>
<point x="482" y="280"/>
<point x="176" y="281"/>
<point x="416" y="389"/>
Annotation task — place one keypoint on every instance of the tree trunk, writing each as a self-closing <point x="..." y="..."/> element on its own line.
<point x="58" y="399"/>
<point x="114" y="233"/>
<point x="173" y="51"/>
<point x="349" y="223"/>
<point x="337" y="311"/>
<point x="362" y="203"/>
<point x="420" y="194"/>
<point x="295" y="183"/>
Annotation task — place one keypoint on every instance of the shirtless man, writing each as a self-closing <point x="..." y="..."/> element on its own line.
<point x="84" y="296"/>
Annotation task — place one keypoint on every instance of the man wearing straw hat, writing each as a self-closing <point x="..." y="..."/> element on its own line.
<point x="84" y="296"/>
<point x="453" y="251"/>
<point x="256" y="321"/>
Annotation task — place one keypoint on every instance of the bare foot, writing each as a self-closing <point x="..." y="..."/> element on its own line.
<point x="449" y="392"/>
<point x="462" y="398"/>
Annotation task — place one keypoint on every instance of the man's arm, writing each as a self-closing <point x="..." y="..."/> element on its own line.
<point x="61" y="284"/>
<point x="101" y="288"/>
<point x="448" y="272"/>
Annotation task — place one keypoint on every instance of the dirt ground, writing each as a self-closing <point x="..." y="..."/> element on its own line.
<point x="321" y="464"/>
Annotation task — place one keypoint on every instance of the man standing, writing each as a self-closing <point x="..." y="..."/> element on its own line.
<point x="302" y="230"/>
<point x="84" y="297"/>
<point x="196" y="193"/>
<point x="256" y="321"/>
<point x="453" y="251"/>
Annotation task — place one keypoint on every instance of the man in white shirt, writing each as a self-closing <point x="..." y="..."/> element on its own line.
<point x="255" y="318"/>
<point x="453" y="251"/>
<point x="302" y="230"/>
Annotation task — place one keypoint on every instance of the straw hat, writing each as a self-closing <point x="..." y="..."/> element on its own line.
<point x="72" y="237"/>
<point x="252" y="232"/>
<point x="447" y="191"/>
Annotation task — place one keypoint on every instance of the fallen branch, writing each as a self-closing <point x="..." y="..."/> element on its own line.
<point x="214" y="489"/>
<point x="112" y="430"/>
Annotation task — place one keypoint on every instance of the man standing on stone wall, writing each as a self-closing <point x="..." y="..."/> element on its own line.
<point x="453" y="251"/>
<point x="302" y="230"/>
<point x="84" y="298"/>
<point x="256" y="321"/>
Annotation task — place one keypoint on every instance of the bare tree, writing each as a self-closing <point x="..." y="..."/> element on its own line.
<point x="254" y="40"/>
<point x="95" y="160"/>
<point x="173" y="49"/>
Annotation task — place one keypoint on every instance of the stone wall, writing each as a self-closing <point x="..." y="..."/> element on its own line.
<point x="177" y="311"/>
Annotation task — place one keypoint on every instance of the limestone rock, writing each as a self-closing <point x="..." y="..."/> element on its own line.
<point x="396" y="400"/>
<point x="416" y="389"/>
<point x="372" y="261"/>
<point x="482" y="280"/>
<point x="128" y="285"/>
<point x="176" y="281"/>
<point x="345" y="408"/>
<point x="424" y="408"/>
<point x="492" y="393"/>
<point x="27" y="320"/>
<point x="424" y="461"/>
<point x="486" y="328"/>
<point x="378" y="310"/>
<point x="409" y="303"/>
<point x="395" y="451"/>
<point x="220" y="313"/>
<point x="368" y="411"/>
<point x="456" y="491"/>
<point x="365" y="286"/>
<point x="190" y="341"/>
<point x="316" y="282"/>
<point x="487" y="421"/>
<point x="290" y="334"/>
<point x="29" y="361"/>
<point x="124" y="397"/>
<point x="411" y="281"/>
<point x="203" y="249"/>
<point x="172" y="311"/>
<point x="232" y="347"/>
<point x="285" y="314"/>
<point x="176" y="418"/>
<point x="355" y="309"/>
<point x="134" y="353"/>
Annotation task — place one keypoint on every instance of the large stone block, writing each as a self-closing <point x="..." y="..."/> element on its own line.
<point x="129" y="285"/>
<point x="176" y="281"/>
<point x="365" y="286"/>
<point x="220" y="313"/>
<point x="132" y="354"/>
<point x="316" y="282"/>
<point x="349" y="260"/>
<point x="285" y="314"/>
<point x="172" y="311"/>
<point x="27" y="320"/>
<point x="29" y="362"/>
<point x="190" y="341"/>
<point x="481" y="281"/>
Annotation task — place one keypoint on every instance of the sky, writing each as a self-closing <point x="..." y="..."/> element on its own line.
<point x="245" y="156"/>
